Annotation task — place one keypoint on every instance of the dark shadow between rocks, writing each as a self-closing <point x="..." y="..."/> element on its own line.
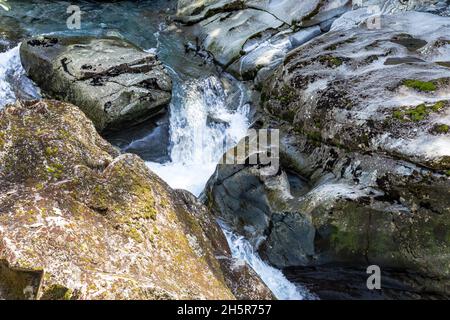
<point x="18" y="283"/>
<point x="150" y="139"/>
<point x="335" y="282"/>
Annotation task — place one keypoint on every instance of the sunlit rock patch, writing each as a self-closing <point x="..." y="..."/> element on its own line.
<point x="339" y="89"/>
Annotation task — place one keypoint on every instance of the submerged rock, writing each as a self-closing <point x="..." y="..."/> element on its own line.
<point x="112" y="81"/>
<point x="365" y="151"/>
<point x="80" y="221"/>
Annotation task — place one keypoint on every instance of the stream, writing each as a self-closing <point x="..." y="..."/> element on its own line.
<point x="209" y="113"/>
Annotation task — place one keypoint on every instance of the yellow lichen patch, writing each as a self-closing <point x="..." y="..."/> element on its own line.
<point x="57" y="292"/>
<point x="55" y="170"/>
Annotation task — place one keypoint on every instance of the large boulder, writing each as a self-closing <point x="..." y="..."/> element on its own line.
<point x="114" y="82"/>
<point x="80" y="221"/>
<point x="363" y="116"/>
<point x="372" y="90"/>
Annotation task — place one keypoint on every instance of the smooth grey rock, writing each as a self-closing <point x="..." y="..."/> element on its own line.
<point x="291" y="229"/>
<point x="250" y="36"/>
<point x="289" y="11"/>
<point x="340" y="89"/>
<point x="114" y="82"/>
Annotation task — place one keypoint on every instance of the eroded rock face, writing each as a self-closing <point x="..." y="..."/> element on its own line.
<point x="80" y="221"/>
<point x="363" y="118"/>
<point x="111" y="80"/>
<point x="372" y="90"/>
<point x="251" y="37"/>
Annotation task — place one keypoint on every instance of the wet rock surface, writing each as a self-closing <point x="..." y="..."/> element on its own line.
<point x="347" y="283"/>
<point x="114" y="82"/>
<point x="250" y="38"/>
<point x="364" y="160"/>
<point x="80" y="221"/>
<point x="343" y="89"/>
<point x="150" y="139"/>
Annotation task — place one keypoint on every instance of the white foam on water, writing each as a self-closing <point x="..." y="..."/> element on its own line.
<point x="202" y="129"/>
<point x="9" y="62"/>
<point x="13" y="80"/>
<point x="282" y="288"/>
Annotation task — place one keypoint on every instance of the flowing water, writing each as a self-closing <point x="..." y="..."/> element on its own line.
<point x="208" y="114"/>
<point x="242" y="250"/>
<point x="13" y="81"/>
<point x="202" y="128"/>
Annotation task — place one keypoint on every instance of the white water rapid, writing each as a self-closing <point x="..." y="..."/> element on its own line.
<point x="282" y="288"/>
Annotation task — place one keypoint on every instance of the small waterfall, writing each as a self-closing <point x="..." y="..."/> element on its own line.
<point x="202" y="128"/>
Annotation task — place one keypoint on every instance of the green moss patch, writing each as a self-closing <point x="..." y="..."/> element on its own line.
<point x="341" y="43"/>
<point x="51" y="151"/>
<point x="418" y="113"/>
<point x="425" y="86"/>
<point x="55" y="170"/>
<point x="286" y="96"/>
<point x="438" y="106"/>
<point x="314" y="137"/>
<point x="330" y="61"/>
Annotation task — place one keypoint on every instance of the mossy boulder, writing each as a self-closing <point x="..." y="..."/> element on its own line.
<point x="114" y="82"/>
<point x="78" y="220"/>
